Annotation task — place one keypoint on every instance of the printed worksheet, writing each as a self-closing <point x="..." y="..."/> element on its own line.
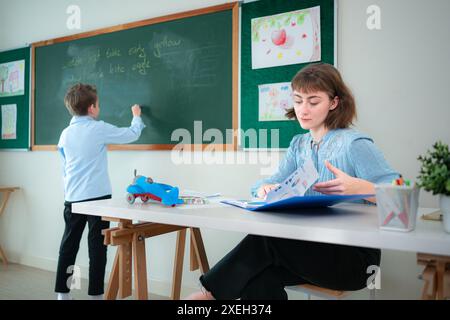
<point x="296" y="184"/>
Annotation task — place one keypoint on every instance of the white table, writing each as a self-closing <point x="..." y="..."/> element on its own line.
<point x="345" y="224"/>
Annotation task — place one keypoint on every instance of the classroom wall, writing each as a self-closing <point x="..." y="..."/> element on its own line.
<point x="398" y="75"/>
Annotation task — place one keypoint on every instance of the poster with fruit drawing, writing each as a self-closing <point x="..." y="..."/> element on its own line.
<point x="275" y="99"/>
<point x="286" y="38"/>
<point x="12" y="78"/>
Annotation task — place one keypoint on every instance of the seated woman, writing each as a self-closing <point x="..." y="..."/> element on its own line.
<point x="348" y="162"/>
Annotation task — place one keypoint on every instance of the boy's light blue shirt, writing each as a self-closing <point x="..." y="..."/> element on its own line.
<point x="346" y="149"/>
<point x="83" y="148"/>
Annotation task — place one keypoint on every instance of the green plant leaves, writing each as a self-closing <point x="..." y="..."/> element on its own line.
<point x="435" y="170"/>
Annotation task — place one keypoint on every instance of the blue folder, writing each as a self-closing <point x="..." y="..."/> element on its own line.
<point x="296" y="202"/>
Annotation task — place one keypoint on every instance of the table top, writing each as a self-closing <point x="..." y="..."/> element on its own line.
<point x="11" y="189"/>
<point x="346" y="223"/>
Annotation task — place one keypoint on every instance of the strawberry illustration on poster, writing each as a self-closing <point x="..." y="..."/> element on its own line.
<point x="286" y="38"/>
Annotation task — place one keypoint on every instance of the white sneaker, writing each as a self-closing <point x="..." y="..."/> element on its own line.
<point x="64" y="296"/>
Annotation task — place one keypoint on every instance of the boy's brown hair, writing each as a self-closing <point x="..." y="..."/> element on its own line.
<point x="324" y="77"/>
<point x="79" y="98"/>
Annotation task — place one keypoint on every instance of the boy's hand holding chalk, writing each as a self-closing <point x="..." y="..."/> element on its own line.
<point x="136" y="110"/>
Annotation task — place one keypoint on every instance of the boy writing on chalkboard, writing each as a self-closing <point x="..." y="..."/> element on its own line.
<point x="83" y="148"/>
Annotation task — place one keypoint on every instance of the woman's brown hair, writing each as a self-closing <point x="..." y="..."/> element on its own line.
<point x="324" y="77"/>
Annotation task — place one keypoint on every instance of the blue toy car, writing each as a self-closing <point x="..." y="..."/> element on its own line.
<point x="145" y="189"/>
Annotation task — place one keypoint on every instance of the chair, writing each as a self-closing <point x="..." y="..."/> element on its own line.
<point x="329" y="294"/>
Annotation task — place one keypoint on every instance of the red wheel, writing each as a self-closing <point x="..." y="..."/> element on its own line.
<point x="144" y="199"/>
<point x="130" y="198"/>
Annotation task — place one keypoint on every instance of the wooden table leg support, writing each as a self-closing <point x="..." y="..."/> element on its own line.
<point x="199" y="249"/>
<point x="113" y="284"/>
<point x="434" y="276"/>
<point x="125" y="271"/>
<point x="130" y="239"/>
<point x="429" y="287"/>
<point x="178" y="265"/>
<point x="6" y="193"/>
<point x="140" y="269"/>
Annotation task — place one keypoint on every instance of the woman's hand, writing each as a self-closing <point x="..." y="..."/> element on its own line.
<point x="265" y="189"/>
<point x="344" y="184"/>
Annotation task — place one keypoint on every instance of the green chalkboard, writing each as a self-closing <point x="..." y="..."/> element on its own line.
<point x="178" y="69"/>
<point x="15" y="99"/>
<point x="252" y="78"/>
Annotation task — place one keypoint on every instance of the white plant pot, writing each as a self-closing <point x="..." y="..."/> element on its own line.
<point x="444" y="202"/>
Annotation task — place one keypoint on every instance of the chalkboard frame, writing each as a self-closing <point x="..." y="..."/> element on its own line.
<point x="233" y="6"/>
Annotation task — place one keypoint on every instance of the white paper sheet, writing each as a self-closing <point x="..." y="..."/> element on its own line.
<point x="9" y="121"/>
<point x="12" y="78"/>
<point x="274" y="101"/>
<point x="296" y="184"/>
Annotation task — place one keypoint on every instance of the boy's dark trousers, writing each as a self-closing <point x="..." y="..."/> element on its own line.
<point x="260" y="267"/>
<point x="70" y="244"/>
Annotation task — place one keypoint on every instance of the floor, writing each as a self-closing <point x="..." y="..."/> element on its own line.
<point x="18" y="282"/>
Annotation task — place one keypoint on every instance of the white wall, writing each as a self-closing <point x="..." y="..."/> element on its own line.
<point x="398" y="75"/>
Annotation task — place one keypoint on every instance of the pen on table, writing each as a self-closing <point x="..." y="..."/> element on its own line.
<point x="213" y="195"/>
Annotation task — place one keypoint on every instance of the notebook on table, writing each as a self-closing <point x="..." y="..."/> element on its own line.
<point x="296" y="202"/>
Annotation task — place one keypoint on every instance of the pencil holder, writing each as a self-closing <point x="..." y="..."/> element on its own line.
<point x="397" y="207"/>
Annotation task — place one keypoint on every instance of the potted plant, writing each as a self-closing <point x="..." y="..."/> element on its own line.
<point x="435" y="177"/>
